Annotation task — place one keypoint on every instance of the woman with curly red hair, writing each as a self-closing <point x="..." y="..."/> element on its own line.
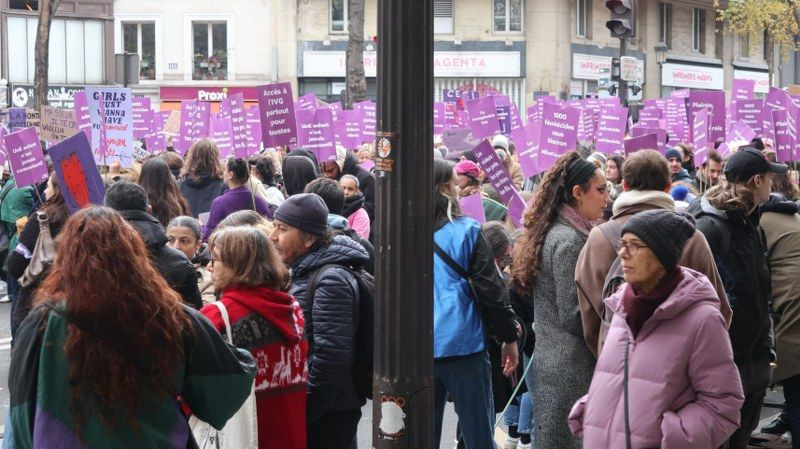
<point x="100" y="362"/>
<point x="572" y="195"/>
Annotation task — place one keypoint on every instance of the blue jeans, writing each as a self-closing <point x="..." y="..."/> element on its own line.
<point x="8" y="437"/>
<point x="520" y="415"/>
<point x="791" y="391"/>
<point x="468" y="380"/>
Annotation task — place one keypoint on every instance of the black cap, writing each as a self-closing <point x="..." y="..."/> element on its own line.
<point x="748" y="162"/>
<point x="304" y="211"/>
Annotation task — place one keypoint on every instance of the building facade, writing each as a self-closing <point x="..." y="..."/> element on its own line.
<point x="81" y="49"/>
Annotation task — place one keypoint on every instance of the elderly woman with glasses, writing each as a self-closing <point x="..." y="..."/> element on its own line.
<point x="666" y="376"/>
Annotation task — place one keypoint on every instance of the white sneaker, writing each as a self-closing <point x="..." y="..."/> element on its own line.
<point x="5" y="299"/>
<point x="511" y="443"/>
<point x="524" y="446"/>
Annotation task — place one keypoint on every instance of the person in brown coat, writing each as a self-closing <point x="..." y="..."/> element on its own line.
<point x="646" y="181"/>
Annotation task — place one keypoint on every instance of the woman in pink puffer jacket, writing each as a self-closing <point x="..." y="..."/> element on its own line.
<point x="666" y="377"/>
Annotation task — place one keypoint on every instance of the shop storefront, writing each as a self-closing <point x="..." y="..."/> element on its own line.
<point x="171" y="96"/>
<point x="58" y="96"/>
<point x="691" y="76"/>
<point x="761" y="77"/>
<point x="592" y="64"/>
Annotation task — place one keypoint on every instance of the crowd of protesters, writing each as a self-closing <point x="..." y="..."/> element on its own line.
<point x="643" y="302"/>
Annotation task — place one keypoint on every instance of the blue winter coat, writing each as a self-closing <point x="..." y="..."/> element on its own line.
<point x="460" y="318"/>
<point x="330" y="325"/>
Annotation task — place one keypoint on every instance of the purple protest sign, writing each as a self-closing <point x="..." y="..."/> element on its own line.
<point x="472" y="206"/>
<point x="254" y="138"/>
<point x="714" y="101"/>
<point x="611" y="130"/>
<point x="161" y="119"/>
<point x="82" y="115"/>
<point x="450" y="120"/>
<point x="559" y="133"/>
<point x="646" y="142"/>
<point x="680" y="93"/>
<point x="450" y="95"/>
<point x="649" y="117"/>
<point x="221" y="132"/>
<point x="516" y="121"/>
<point x="187" y="126"/>
<point x="3" y="132"/>
<point x="792" y="116"/>
<point x="742" y="90"/>
<point x="76" y="172"/>
<point x="315" y="132"/>
<point x="307" y="101"/>
<point x="458" y="140"/>
<point x="112" y="124"/>
<point x="784" y="142"/>
<point x="495" y="170"/>
<point x="202" y="118"/>
<point x="146" y="126"/>
<point x="776" y="99"/>
<point x="277" y="115"/>
<point x="483" y="117"/>
<point x="661" y="137"/>
<point x="439" y="118"/>
<point x="370" y="125"/>
<point x="502" y="105"/>
<point x="156" y="142"/>
<point x="700" y="136"/>
<point x="336" y="107"/>
<point x="526" y="140"/>
<point x="609" y="102"/>
<point x="750" y="112"/>
<point x="348" y="128"/>
<point x="239" y="134"/>
<point x="142" y="126"/>
<point x="17" y="118"/>
<point x="516" y="209"/>
<point x="24" y="152"/>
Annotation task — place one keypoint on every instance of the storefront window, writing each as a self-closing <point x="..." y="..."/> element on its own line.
<point x="338" y="16"/>
<point x="507" y="16"/>
<point x="210" y="50"/>
<point x="140" y="38"/>
<point x="76" y="50"/>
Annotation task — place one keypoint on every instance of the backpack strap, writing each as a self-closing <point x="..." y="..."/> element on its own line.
<point x="612" y="231"/>
<point x="450" y="262"/>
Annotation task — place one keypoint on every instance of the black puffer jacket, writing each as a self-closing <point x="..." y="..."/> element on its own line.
<point x="178" y="271"/>
<point x="366" y="182"/>
<point x="329" y="325"/>
<point x="201" y="192"/>
<point x="745" y="274"/>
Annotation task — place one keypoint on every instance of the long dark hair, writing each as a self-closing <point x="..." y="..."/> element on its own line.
<point x="265" y="169"/>
<point x="552" y="194"/>
<point x="124" y="318"/>
<point x="162" y="191"/>
<point x="445" y="207"/>
<point x="55" y="206"/>
<point x="202" y="159"/>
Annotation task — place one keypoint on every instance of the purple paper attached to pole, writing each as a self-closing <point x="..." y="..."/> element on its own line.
<point x="714" y="102"/>
<point x="370" y="125"/>
<point x="611" y="130"/>
<point x="750" y="112"/>
<point x="472" y="206"/>
<point x="221" y="132"/>
<point x="82" y="115"/>
<point x="700" y="133"/>
<point x="742" y="90"/>
<point x="315" y="132"/>
<point x="276" y="107"/>
<point x="77" y="173"/>
<point x="559" y="133"/>
<point x="526" y="140"/>
<point x="661" y="137"/>
<point x="24" y="151"/>
<point x="784" y="142"/>
<point x="646" y="142"/>
<point x="347" y="128"/>
<point x="495" y="170"/>
<point x="483" y="117"/>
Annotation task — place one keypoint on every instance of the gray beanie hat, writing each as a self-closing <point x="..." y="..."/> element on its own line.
<point x="304" y="211"/>
<point x="665" y="232"/>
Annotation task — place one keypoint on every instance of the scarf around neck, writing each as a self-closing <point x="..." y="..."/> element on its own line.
<point x="577" y="220"/>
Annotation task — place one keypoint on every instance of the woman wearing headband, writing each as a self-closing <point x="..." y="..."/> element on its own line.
<point x="572" y="195"/>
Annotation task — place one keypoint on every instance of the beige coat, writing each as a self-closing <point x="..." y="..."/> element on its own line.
<point x="205" y="284"/>
<point x="515" y="170"/>
<point x="598" y="255"/>
<point x="783" y="244"/>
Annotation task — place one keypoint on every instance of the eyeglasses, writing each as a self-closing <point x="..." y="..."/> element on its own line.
<point x="631" y="247"/>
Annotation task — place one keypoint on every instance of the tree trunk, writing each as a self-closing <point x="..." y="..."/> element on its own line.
<point x="796" y="9"/>
<point x="356" y="79"/>
<point x="47" y="8"/>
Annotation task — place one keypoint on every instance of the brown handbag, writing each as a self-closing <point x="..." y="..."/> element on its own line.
<point x="42" y="256"/>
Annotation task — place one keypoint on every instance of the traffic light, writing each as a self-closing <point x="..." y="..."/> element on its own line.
<point x="623" y="18"/>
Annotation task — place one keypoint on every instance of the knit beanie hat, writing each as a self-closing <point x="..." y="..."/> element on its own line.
<point x="664" y="231"/>
<point x="673" y="153"/>
<point x="467" y="167"/>
<point x="341" y="155"/>
<point x="500" y="141"/>
<point x="304" y="211"/>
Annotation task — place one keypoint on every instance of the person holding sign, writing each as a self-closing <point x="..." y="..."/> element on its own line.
<point x="238" y="197"/>
<point x="572" y="195"/>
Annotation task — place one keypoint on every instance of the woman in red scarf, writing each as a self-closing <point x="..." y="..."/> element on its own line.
<point x="269" y="323"/>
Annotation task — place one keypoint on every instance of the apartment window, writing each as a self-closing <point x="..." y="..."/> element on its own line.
<point x="699" y="30"/>
<point x="507" y="16"/>
<point x="665" y="23"/>
<point x="443" y="16"/>
<point x="76" y="51"/>
<point x="744" y="45"/>
<point x="28" y="5"/>
<point x="140" y="38"/>
<point x="765" y="42"/>
<point x="339" y="16"/>
<point x="210" y="50"/>
<point x="580" y="10"/>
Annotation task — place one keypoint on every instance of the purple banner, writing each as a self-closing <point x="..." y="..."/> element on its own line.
<point x="516" y="121"/>
<point x="526" y="140"/>
<point x="277" y="115"/>
<point x="559" y="133"/>
<point x="495" y="170"/>
<point x="661" y="137"/>
<point x="450" y="95"/>
<point x="77" y="173"/>
<point x="315" y="133"/>
<point x="611" y="130"/>
<point x="784" y="142"/>
<point x="646" y="142"/>
<point x="792" y="116"/>
<point x="156" y="142"/>
<point x="438" y="118"/>
<point x="347" y="128"/>
<point x="700" y="135"/>
<point x="649" y="117"/>
<point x="743" y="90"/>
<point x="714" y="101"/>
<point x="17" y="118"/>
<point x="472" y="206"/>
<point x="254" y="137"/>
<point x="307" y="101"/>
<point x="370" y="126"/>
<point x="142" y="126"/>
<point x="221" y="132"/>
<point x="750" y="112"/>
<point x="458" y="140"/>
<point x="112" y="124"/>
<point x="483" y="117"/>
<point x="740" y="134"/>
<point x="25" y="156"/>
<point x="82" y="115"/>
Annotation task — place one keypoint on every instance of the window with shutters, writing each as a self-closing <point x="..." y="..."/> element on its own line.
<point x="443" y="16"/>
<point x="665" y="24"/>
<point x="699" y="30"/>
